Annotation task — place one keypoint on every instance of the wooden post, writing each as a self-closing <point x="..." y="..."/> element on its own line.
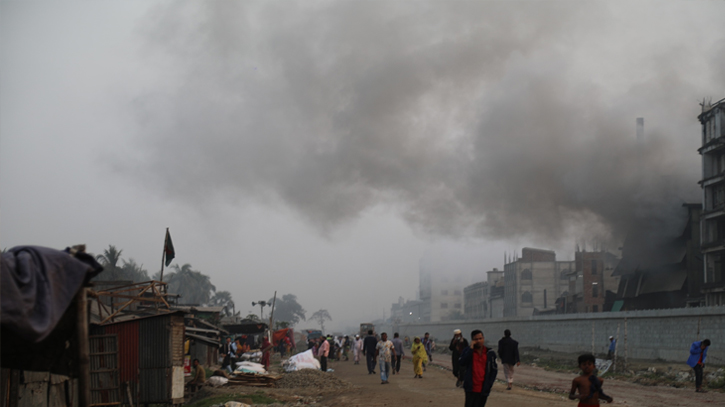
<point x="163" y="257"/>
<point x="271" y="316"/>
<point x="84" y="359"/>
<point x="626" y="346"/>
<point x="616" y="345"/>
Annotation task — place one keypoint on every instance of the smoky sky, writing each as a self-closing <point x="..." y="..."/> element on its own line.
<point x="485" y="119"/>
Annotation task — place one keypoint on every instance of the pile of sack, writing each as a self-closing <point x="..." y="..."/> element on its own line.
<point x="304" y="360"/>
<point x="250" y="367"/>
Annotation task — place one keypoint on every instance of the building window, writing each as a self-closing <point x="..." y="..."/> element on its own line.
<point x="594" y="267"/>
<point x="595" y="308"/>
<point x="595" y="290"/>
<point x="444" y="292"/>
<point x="457" y="292"/>
<point x="444" y="305"/>
<point x="527" y="297"/>
<point x="564" y="275"/>
<point x="457" y="305"/>
<point x="526" y="274"/>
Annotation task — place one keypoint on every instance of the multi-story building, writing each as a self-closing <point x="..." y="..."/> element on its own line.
<point x="712" y="221"/>
<point x="534" y="282"/>
<point x="475" y="301"/>
<point x="495" y="293"/>
<point x="404" y="312"/>
<point x="592" y="283"/>
<point x="441" y="291"/>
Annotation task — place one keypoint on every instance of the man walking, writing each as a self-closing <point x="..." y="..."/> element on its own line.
<point x="612" y="347"/>
<point x="698" y="354"/>
<point x="398" y="346"/>
<point x="427" y="345"/>
<point x="357" y="348"/>
<point x="508" y="351"/>
<point x="369" y="351"/>
<point x="458" y="344"/>
<point x="481" y="370"/>
<point x="323" y="351"/>
<point x="385" y="352"/>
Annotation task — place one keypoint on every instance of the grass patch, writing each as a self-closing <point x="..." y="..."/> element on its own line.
<point x="255" y="398"/>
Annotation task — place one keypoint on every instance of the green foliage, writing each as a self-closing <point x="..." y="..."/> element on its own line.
<point x="193" y="286"/>
<point x="287" y="309"/>
<point x="133" y="271"/>
<point x="223" y="299"/>
<point x="117" y="269"/>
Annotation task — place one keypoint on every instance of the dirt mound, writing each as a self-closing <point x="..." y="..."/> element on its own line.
<point x="311" y="378"/>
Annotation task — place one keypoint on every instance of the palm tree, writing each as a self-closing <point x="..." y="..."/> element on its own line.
<point x="223" y="299"/>
<point x="320" y="316"/>
<point x="133" y="271"/>
<point x="109" y="260"/>
<point x="193" y="286"/>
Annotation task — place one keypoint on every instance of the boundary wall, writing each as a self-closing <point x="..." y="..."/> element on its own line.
<point x="653" y="334"/>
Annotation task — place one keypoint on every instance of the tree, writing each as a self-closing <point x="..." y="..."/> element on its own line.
<point x="133" y="271"/>
<point x="253" y="317"/>
<point x="287" y="309"/>
<point x="223" y="299"/>
<point x="193" y="286"/>
<point x="109" y="260"/>
<point x="320" y="316"/>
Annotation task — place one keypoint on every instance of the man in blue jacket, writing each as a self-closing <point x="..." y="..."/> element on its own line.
<point x="481" y="370"/>
<point x="698" y="354"/>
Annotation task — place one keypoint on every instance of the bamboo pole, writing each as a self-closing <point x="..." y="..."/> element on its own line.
<point x="616" y="345"/>
<point x="163" y="256"/>
<point x="271" y="316"/>
<point x="626" y="346"/>
<point x="84" y="359"/>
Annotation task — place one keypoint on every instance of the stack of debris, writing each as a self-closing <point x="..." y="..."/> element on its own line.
<point x="254" y="380"/>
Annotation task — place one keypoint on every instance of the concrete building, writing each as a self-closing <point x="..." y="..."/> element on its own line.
<point x="441" y="292"/>
<point x="475" y="301"/>
<point x="533" y="282"/>
<point x="495" y="293"/>
<point x="592" y="286"/>
<point x="712" y="221"/>
<point x="404" y="312"/>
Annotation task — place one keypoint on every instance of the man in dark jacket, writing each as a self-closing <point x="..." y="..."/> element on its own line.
<point x="369" y="345"/>
<point x="458" y="343"/>
<point x="481" y="370"/>
<point x="508" y="351"/>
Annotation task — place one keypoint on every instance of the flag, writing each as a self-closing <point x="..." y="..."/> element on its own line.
<point x="169" y="252"/>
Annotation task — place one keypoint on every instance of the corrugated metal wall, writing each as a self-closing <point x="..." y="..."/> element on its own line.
<point x="128" y="344"/>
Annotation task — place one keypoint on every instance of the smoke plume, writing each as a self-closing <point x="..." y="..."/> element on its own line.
<point x="492" y="119"/>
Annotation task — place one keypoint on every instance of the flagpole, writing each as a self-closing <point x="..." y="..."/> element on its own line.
<point x="163" y="255"/>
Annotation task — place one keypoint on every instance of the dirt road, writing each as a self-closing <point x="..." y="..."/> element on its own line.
<point x="437" y="388"/>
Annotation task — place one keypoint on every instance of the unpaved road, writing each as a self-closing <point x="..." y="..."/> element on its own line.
<point x="437" y="388"/>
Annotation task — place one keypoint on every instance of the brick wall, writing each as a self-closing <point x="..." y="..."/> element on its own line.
<point x="534" y="255"/>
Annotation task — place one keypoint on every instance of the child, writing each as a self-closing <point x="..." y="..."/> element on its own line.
<point x="588" y="384"/>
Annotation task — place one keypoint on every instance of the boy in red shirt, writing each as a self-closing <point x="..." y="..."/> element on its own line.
<point x="480" y="364"/>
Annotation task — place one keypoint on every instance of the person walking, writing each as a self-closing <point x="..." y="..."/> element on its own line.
<point x="398" y="345"/>
<point x="385" y="351"/>
<point x="419" y="354"/>
<point x="369" y="351"/>
<point x="481" y="370"/>
<point x="323" y="351"/>
<point x="458" y="343"/>
<point x="698" y="355"/>
<point x="508" y="351"/>
<point x="357" y="349"/>
<point x="612" y="347"/>
<point x="428" y="351"/>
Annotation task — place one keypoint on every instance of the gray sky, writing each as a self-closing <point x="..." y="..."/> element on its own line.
<point x="324" y="148"/>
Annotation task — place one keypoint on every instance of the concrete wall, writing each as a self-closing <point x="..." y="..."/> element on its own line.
<point x="655" y="334"/>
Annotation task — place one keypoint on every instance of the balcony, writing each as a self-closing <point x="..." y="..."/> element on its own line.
<point x="713" y="287"/>
<point x="713" y="246"/>
<point x="712" y="145"/>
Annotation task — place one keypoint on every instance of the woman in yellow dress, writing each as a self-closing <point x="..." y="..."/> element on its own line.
<point x="419" y="354"/>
